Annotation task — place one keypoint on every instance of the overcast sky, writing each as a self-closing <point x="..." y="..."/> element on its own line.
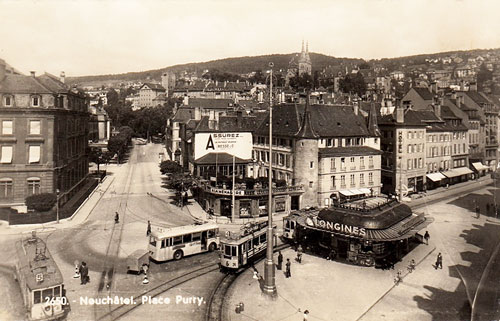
<point x="102" y="37"/>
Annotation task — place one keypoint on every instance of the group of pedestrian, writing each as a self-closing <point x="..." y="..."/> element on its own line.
<point x="288" y="265"/>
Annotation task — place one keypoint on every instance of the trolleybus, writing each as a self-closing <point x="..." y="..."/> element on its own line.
<point x="40" y="280"/>
<point x="176" y="242"/>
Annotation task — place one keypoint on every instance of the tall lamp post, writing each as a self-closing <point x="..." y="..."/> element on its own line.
<point x="269" y="287"/>
<point x="57" y="205"/>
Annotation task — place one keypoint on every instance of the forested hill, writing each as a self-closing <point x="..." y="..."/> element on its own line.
<point x="239" y="65"/>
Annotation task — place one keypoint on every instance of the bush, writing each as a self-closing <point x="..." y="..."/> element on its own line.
<point x="41" y="202"/>
<point x="170" y="167"/>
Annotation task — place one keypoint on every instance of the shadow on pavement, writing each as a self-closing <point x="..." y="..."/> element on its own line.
<point x="455" y="305"/>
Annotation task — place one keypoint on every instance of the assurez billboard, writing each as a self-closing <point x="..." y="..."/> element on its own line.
<point x="237" y="144"/>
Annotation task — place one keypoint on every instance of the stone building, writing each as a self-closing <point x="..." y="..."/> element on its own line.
<point x="43" y="137"/>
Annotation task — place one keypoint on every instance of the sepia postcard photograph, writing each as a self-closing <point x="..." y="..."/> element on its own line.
<point x="217" y="160"/>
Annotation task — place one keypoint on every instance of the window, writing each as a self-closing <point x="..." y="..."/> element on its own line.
<point x="410" y="162"/>
<point x="35" y="101"/>
<point x="352" y="159"/>
<point x="187" y="238"/>
<point x="196" y="236"/>
<point x="342" y="164"/>
<point x="332" y="164"/>
<point x="370" y="178"/>
<point x="6" y="188"/>
<point x="6" y="157"/>
<point x="34" y="154"/>
<point x="152" y="241"/>
<point x="370" y="161"/>
<point x="33" y="186"/>
<point x="262" y="238"/>
<point x="37" y="297"/>
<point x="361" y="162"/>
<point x="311" y="164"/>
<point x="332" y="178"/>
<point x="212" y="233"/>
<point x="409" y="149"/>
<point x="177" y="240"/>
<point x="7" y="100"/>
<point x="353" y="183"/>
<point x="7" y="127"/>
<point x="342" y="181"/>
<point x="34" y="127"/>
<point x="310" y="184"/>
<point x="329" y="142"/>
<point x="362" y="179"/>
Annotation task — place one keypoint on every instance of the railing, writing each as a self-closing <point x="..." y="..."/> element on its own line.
<point x="255" y="192"/>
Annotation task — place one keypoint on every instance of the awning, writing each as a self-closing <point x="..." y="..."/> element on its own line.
<point x="356" y="191"/>
<point x="346" y="192"/>
<point x="436" y="177"/>
<point x="365" y="190"/>
<point x="457" y="172"/>
<point x="480" y="167"/>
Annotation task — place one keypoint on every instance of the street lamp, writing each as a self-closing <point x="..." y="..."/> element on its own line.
<point x="57" y="205"/>
<point x="269" y="287"/>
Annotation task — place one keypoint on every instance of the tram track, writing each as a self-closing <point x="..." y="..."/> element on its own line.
<point x="215" y="304"/>
<point x="124" y="309"/>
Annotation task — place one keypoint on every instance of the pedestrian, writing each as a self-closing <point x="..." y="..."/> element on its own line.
<point x="439" y="261"/>
<point x="280" y="260"/>
<point x="299" y="254"/>
<point x="478" y="211"/>
<point x="149" y="229"/>
<point x="288" y="273"/>
<point x="427" y="237"/>
<point x="117" y="218"/>
<point x="84" y="273"/>
<point x="306" y="313"/>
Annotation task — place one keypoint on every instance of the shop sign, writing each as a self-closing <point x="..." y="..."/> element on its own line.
<point x="279" y="205"/>
<point x="336" y="227"/>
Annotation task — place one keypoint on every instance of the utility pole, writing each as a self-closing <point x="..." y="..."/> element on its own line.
<point x="269" y="287"/>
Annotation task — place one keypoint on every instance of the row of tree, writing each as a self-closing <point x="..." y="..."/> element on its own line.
<point x="118" y="144"/>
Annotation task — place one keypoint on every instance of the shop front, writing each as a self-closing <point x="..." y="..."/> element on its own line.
<point x="378" y="233"/>
<point x="457" y="175"/>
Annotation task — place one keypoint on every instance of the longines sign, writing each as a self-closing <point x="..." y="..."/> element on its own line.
<point x="237" y="144"/>
<point x="336" y="227"/>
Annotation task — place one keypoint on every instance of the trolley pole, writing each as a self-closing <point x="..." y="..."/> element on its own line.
<point x="269" y="287"/>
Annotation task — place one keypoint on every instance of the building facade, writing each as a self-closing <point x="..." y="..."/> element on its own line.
<point x="43" y="137"/>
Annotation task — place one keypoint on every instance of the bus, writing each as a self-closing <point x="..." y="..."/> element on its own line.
<point x="40" y="280"/>
<point x="177" y="242"/>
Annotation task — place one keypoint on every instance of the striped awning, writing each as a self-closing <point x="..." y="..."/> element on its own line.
<point x="436" y="177"/>
<point x="457" y="172"/>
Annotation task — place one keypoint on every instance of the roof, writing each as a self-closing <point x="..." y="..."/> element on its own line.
<point x="411" y="118"/>
<point x="34" y="258"/>
<point x="219" y="158"/>
<point x="153" y="86"/>
<point x="53" y="83"/>
<point x="210" y="103"/>
<point x="306" y="129"/>
<point x="183" y="114"/>
<point x="20" y="84"/>
<point x="477" y="97"/>
<point x="348" y="151"/>
<point x="423" y="92"/>
<point x="181" y="230"/>
<point x="325" y="120"/>
<point x="234" y="123"/>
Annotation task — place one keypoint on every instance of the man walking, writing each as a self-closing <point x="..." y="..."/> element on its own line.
<point x="280" y="260"/>
<point x="149" y="229"/>
<point x="288" y="273"/>
<point x="427" y="237"/>
<point x="439" y="261"/>
<point x="299" y="254"/>
<point x="84" y="273"/>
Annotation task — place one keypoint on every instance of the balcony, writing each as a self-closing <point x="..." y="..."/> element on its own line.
<point x="255" y="192"/>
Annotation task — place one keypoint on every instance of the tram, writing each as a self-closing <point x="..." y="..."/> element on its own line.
<point x="41" y="282"/>
<point x="238" y="250"/>
<point x="177" y="242"/>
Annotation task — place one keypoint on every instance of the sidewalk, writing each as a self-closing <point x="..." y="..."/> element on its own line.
<point x="330" y="290"/>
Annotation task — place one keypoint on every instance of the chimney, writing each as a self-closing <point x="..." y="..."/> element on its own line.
<point x="356" y="108"/>
<point x="473" y="86"/>
<point x="2" y="70"/>
<point x="454" y="95"/>
<point x="400" y="115"/>
<point x="62" y="77"/>
<point x="434" y="87"/>
<point x="437" y="109"/>
<point x="185" y="101"/>
<point x="32" y="73"/>
<point x="197" y="113"/>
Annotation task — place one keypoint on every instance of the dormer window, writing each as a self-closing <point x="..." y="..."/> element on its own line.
<point x="35" y="101"/>
<point x="8" y="100"/>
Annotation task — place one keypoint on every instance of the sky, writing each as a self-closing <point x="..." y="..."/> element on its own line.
<point x="107" y="37"/>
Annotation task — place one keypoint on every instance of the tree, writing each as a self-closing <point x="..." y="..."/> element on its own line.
<point x="97" y="156"/>
<point x="483" y="76"/>
<point x="116" y="145"/>
<point x="170" y="167"/>
<point x="304" y="81"/>
<point x="353" y="84"/>
<point x="112" y="97"/>
<point x="41" y="202"/>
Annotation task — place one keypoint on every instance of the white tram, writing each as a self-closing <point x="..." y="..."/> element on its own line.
<point x="40" y="280"/>
<point x="237" y="251"/>
<point x="177" y="242"/>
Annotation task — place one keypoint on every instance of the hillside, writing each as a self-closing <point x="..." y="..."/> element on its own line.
<point x="237" y="65"/>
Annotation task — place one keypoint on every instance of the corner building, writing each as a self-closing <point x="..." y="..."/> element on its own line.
<point x="43" y="137"/>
